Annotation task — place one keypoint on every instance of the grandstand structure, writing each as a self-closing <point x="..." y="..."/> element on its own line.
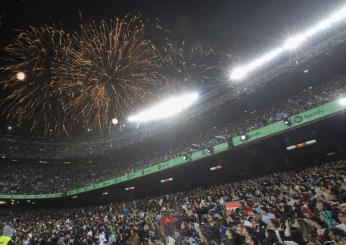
<point x="251" y="152"/>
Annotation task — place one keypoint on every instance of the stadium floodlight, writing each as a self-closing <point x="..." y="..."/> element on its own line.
<point x="290" y="44"/>
<point x="115" y="121"/>
<point x="241" y="72"/>
<point x="342" y="101"/>
<point x="167" y="108"/>
<point x="2" y="202"/>
<point x="294" y="42"/>
<point x="238" y="73"/>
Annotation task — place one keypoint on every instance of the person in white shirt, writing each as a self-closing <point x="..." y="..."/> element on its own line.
<point x="102" y="238"/>
<point x="266" y="217"/>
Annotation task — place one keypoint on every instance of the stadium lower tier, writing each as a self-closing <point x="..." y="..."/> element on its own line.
<point x="291" y="207"/>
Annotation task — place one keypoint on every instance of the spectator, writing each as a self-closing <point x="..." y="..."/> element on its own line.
<point x="342" y="220"/>
<point x="6" y="237"/>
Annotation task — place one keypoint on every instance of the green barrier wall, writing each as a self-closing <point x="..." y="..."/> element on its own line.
<point x="274" y="128"/>
<point x="149" y="170"/>
<point x="295" y="121"/>
<point x="30" y="197"/>
<point x="199" y="154"/>
<point x="220" y="147"/>
<point x="260" y="133"/>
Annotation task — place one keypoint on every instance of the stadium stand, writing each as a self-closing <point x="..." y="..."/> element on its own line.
<point x="229" y="170"/>
<point x="304" y="207"/>
<point x="46" y="178"/>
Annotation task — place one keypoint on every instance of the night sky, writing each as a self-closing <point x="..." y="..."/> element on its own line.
<point x="240" y="27"/>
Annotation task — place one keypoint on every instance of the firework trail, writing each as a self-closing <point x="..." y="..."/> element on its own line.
<point x="112" y="68"/>
<point x="189" y="65"/>
<point x="185" y="64"/>
<point x="34" y="92"/>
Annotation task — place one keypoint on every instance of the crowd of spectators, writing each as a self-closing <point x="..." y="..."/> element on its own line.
<point x="47" y="178"/>
<point x="292" y="207"/>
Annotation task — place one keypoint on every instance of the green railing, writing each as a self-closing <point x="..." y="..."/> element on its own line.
<point x="29" y="197"/>
<point x="146" y="171"/>
<point x="295" y="121"/>
<point x="274" y="128"/>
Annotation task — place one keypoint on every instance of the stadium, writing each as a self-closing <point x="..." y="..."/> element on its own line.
<point x="173" y="122"/>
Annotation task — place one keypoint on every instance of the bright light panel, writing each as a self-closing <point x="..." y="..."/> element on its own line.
<point x="342" y="101"/>
<point x="290" y="44"/>
<point x="294" y="42"/>
<point x="115" y="121"/>
<point x="241" y="72"/>
<point x="168" y="108"/>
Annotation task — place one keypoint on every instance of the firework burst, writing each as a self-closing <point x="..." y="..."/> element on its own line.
<point x="189" y="65"/>
<point x="93" y="78"/>
<point x="34" y="91"/>
<point x="113" y="67"/>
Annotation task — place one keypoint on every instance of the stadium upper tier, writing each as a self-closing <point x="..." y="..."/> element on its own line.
<point x="45" y="177"/>
<point x="26" y="147"/>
